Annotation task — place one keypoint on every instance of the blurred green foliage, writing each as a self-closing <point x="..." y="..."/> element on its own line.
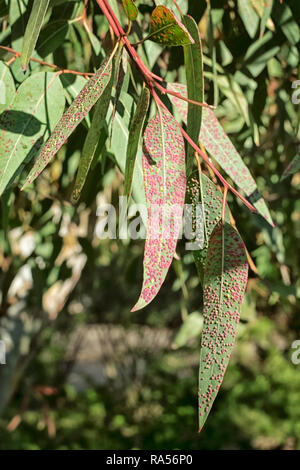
<point x="51" y="245"/>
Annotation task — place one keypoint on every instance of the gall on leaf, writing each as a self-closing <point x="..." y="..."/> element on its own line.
<point x="225" y="280"/>
<point x="130" y="9"/>
<point x="165" y="185"/>
<point x="167" y="30"/>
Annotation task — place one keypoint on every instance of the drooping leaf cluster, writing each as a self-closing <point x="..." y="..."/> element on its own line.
<point x="127" y="110"/>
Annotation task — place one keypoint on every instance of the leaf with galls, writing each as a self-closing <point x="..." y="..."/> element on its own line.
<point x="225" y="279"/>
<point x="165" y="183"/>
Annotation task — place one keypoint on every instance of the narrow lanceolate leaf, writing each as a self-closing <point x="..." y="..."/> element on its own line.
<point x="249" y="16"/>
<point x="218" y="144"/>
<point x="92" y="139"/>
<point x="266" y="19"/>
<point x="225" y="280"/>
<point x="292" y="168"/>
<point x="164" y="179"/>
<point x="119" y="142"/>
<point x="34" y="112"/>
<point x="120" y="73"/>
<point x="82" y="104"/>
<point x="7" y="87"/>
<point x="18" y="17"/>
<point x="194" y="79"/>
<point x="33" y="28"/>
<point x="135" y="132"/>
<point x="130" y="9"/>
<point x="167" y="30"/>
<point x="205" y="202"/>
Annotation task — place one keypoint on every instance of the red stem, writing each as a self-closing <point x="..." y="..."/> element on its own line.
<point x="206" y="159"/>
<point x="148" y="77"/>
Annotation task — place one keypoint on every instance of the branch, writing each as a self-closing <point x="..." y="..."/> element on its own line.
<point x="148" y="77"/>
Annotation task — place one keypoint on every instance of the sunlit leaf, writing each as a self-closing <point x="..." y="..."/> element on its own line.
<point x="18" y="18"/>
<point x="194" y="79"/>
<point x="166" y="29"/>
<point x="164" y="179"/>
<point x="34" y="25"/>
<point x="249" y="16"/>
<point x="190" y="328"/>
<point x="33" y="114"/>
<point x="119" y="142"/>
<point x="130" y="9"/>
<point x="218" y="144"/>
<point x="266" y="19"/>
<point x="92" y="139"/>
<point x="7" y="87"/>
<point x="135" y="132"/>
<point x="82" y="104"/>
<point x="225" y="280"/>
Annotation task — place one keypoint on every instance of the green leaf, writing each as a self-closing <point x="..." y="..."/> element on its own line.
<point x="190" y="328"/>
<point x="225" y="280"/>
<point x="249" y="16"/>
<point x="259" y="53"/>
<point x="82" y="104"/>
<point x="286" y="20"/>
<point x="206" y="205"/>
<point x="130" y="9"/>
<point x="266" y="16"/>
<point x="52" y="36"/>
<point x="33" y="114"/>
<point x="18" y="18"/>
<point x="218" y="144"/>
<point x="135" y="132"/>
<point x="34" y="25"/>
<point x="166" y="29"/>
<point x="7" y="87"/>
<point x="92" y="139"/>
<point x="183" y="5"/>
<point x="121" y="66"/>
<point x="119" y="142"/>
<point x="194" y="79"/>
<point x="292" y="168"/>
<point x="164" y="179"/>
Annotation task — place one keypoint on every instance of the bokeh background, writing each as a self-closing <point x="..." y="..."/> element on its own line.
<point x="82" y="372"/>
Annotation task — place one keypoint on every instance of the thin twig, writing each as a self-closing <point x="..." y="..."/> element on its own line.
<point x="17" y="54"/>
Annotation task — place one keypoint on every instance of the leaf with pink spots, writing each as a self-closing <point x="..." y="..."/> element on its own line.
<point x="78" y="110"/>
<point x="220" y="147"/>
<point x="225" y="279"/>
<point x="165" y="184"/>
